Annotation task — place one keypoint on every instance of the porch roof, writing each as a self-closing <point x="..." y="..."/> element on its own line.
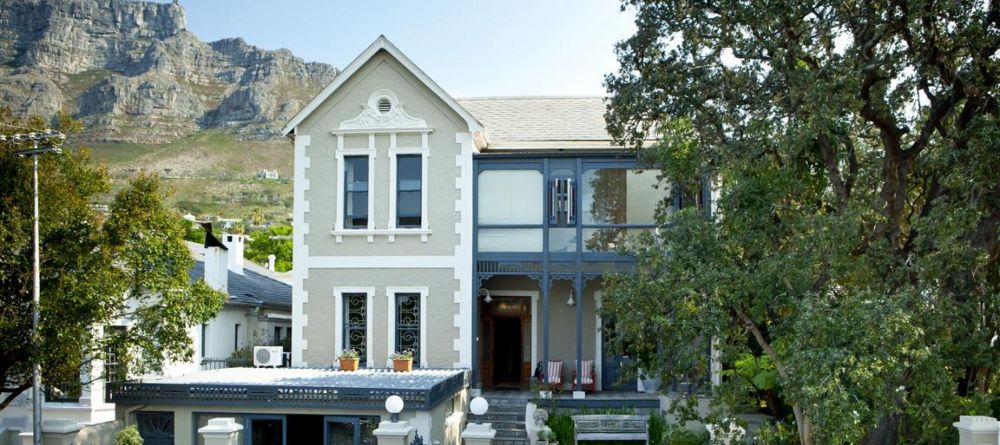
<point x="421" y="389"/>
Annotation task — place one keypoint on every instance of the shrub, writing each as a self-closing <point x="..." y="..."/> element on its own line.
<point x="657" y="428"/>
<point x="678" y="435"/>
<point x="128" y="436"/>
<point x="561" y="425"/>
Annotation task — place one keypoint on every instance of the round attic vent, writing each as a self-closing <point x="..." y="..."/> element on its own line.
<point x="384" y="105"/>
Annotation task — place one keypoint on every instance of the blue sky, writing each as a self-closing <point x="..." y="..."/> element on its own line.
<point x="470" y="48"/>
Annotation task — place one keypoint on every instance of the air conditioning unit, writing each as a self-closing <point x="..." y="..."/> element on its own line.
<point x="267" y="356"/>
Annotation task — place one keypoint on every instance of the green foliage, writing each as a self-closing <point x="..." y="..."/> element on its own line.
<point x="856" y="238"/>
<point x="678" y="435"/>
<point x="90" y="265"/>
<point x="777" y="433"/>
<point x="193" y="232"/>
<point x="658" y="428"/>
<point x="275" y="240"/>
<point x="561" y="424"/>
<point x="128" y="436"/>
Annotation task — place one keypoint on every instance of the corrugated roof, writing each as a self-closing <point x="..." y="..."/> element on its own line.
<point x="251" y="288"/>
<point x="540" y="118"/>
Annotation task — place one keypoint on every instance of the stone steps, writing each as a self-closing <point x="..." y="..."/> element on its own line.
<point x="506" y="414"/>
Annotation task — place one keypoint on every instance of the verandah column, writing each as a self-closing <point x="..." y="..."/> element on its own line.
<point x="578" y="289"/>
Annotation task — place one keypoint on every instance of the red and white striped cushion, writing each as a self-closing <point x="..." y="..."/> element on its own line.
<point x="555" y="372"/>
<point x="587" y="369"/>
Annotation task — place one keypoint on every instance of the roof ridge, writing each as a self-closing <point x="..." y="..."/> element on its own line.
<point x="531" y="97"/>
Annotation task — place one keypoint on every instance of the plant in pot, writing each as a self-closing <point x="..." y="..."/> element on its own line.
<point x="348" y="360"/>
<point x="402" y="361"/>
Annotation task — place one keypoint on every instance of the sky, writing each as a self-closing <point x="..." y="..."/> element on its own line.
<point x="470" y="48"/>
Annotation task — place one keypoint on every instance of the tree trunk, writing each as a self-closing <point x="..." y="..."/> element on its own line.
<point x="886" y="433"/>
<point x="804" y="426"/>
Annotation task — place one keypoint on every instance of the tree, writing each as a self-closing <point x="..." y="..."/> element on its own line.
<point x="855" y="241"/>
<point x="95" y="269"/>
<point x="275" y="240"/>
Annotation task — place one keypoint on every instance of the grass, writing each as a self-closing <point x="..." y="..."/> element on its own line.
<point x="209" y="172"/>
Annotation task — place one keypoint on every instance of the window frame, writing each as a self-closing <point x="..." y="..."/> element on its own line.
<point x="346" y="191"/>
<point x="341" y="152"/>
<point x="391" y="317"/>
<point x="394" y="152"/>
<point x="339" y="294"/>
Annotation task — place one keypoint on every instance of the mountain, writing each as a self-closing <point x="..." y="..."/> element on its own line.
<point x="152" y="95"/>
<point x="133" y="72"/>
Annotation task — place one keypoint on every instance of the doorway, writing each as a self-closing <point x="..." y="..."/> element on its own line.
<point x="507" y="342"/>
<point x="505" y="336"/>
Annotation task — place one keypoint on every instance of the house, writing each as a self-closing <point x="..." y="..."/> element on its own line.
<point x="258" y="311"/>
<point x="472" y="232"/>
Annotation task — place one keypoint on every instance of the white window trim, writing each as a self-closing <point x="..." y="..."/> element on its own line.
<point x="339" y="231"/>
<point x="390" y="294"/>
<point x="338" y="320"/>
<point x="425" y="153"/>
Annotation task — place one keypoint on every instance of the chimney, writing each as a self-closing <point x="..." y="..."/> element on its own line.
<point x="270" y="262"/>
<point x="216" y="261"/>
<point x="234" y="242"/>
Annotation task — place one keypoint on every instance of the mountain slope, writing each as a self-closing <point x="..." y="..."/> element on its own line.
<point x="151" y="95"/>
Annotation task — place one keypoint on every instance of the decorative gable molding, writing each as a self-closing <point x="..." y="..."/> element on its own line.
<point x="383" y="112"/>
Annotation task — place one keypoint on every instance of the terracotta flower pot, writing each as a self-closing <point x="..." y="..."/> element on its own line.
<point x="402" y="364"/>
<point x="348" y="364"/>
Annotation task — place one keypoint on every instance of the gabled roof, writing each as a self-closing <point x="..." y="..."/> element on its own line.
<point x="381" y="44"/>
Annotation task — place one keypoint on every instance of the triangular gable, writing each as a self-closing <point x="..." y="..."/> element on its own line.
<point x="381" y="43"/>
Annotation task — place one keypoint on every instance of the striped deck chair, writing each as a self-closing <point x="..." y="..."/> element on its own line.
<point x="589" y="376"/>
<point x="553" y="376"/>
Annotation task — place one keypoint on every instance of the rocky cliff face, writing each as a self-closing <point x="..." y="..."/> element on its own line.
<point x="133" y="73"/>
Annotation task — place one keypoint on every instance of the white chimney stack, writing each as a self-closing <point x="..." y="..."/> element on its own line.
<point x="216" y="261"/>
<point x="234" y="243"/>
<point x="270" y="262"/>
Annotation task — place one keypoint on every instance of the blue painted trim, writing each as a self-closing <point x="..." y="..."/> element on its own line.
<point x="578" y="283"/>
<point x="475" y="275"/>
<point x="545" y="272"/>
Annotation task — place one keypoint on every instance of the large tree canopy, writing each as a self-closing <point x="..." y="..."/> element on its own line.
<point x="129" y="267"/>
<point x="854" y="242"/>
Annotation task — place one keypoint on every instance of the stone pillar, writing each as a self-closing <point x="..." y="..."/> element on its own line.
<point x="478" y="434"/>
<point x="221" y="431"/>
<point x="394" y="433"/>
<point x="978" y="430"/>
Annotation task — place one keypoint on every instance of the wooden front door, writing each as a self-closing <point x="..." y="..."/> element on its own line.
<point x="505" y="343"/>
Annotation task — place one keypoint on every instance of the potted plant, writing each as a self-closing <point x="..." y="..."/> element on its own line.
<point x="402" y="361"/>
<point x="348" y="360"/>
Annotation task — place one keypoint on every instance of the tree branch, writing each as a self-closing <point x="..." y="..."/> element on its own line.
<point x="14" y="392"/>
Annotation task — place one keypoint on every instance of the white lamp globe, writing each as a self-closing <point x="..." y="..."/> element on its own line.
<point x="394" y="404"/>
<point x="478" y="406"/>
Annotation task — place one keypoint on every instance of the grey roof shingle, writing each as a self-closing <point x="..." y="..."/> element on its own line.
<point x="540" y="118"/>
<point x="251" y="288"/>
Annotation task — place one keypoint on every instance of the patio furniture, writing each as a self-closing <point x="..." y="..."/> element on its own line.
<point x="589" y="376"/>
<point x="607" y="428"/>
<point x="553" y="374"/>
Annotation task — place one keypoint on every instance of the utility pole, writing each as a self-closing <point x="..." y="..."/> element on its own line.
<point x="50" y="139"/>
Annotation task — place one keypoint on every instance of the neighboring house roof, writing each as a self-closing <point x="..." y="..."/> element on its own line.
<point x="533" y="121"/>
<point x="251" y="288"/>
<point x="256" y="287"/>
<point x="381" y="44"/>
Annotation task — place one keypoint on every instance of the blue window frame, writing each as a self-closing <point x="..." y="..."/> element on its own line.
<point x="349" y="430"/>
<point x="355" y="192"/>
<point x="408" y="190"/>
<point x="408" y="324"/>
<point x="257" y="429"/>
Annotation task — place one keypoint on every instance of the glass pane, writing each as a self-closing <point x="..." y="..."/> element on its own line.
<point x="408" y="207"/>
<point x="510" y="240"/>
<point x="266" y="432"/>
<point x="356" y="325"/>
<point x="355" y="192"/>
<point x="620" y="196"/>
<point x="562" y="240"/>
<point x="511" y="197"/>
<point x="339" y="433"/>
<point x="608" y="239"/>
